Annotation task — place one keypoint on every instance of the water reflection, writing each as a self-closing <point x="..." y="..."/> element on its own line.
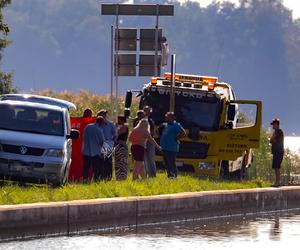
<point x="275" y="228"/>
<point x="271" y="231"/>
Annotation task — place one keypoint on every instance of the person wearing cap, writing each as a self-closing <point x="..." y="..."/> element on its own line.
<point x="277" y="142"/>
<point x="110" y="134"/>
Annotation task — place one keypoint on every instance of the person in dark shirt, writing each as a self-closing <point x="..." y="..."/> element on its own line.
<point x="93" y="139"/>
<point x="277" y="142"/>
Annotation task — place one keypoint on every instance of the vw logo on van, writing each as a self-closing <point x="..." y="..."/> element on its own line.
<point x="23" y="150"/>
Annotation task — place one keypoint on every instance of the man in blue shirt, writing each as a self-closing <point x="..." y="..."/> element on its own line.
<point x="169" y="142"/>
<point x="110" y="133"/>
<point x="93" y="140"/>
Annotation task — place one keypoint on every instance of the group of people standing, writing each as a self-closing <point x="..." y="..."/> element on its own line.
<point x="103" y="139"/>
<point x="102" y="136"/>
<point x="98" y="140"/>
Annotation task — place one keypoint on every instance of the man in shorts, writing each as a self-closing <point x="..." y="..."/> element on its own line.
<point x="277" y="142"/>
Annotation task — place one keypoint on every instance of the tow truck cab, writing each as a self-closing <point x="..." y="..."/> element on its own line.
<point x="221" y="130"/>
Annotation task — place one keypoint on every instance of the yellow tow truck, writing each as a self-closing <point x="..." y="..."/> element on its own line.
<point x="221" y="131"/>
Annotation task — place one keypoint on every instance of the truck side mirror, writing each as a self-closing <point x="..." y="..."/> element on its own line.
<point x="231" y="111"/>
<point x="194" y="133"/>
<point x="74" y="134"/>
<point x="128" y="99"/>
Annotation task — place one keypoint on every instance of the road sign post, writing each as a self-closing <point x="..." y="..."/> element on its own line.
<point x="124" y="65"/>
<point x="172" y="94"/>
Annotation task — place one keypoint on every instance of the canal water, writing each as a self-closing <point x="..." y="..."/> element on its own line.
<point x="280" y="230"/>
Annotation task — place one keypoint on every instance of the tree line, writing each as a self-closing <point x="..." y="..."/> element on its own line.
<point x="255" y="46"/>
<point x="5" y="78"/>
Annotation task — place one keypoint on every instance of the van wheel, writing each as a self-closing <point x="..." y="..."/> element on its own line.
<point x="56" y="184"/>
<point x="63" y="180"/>
<point x="66" y="175"/>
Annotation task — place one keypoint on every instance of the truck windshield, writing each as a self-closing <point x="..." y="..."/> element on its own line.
<point x="32" y="120"/>
<point x="201" y="111"/>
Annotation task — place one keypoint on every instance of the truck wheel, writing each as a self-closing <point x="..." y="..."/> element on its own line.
<point x="224" y="175"/>
<point x="242" y="173"/>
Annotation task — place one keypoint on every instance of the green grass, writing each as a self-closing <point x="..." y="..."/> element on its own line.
<point x="261" y="169"/>
<point x="15" y="194"/>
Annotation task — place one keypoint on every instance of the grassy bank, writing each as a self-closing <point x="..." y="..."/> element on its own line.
<point x="14" y="194"/>
<point x="259" y="171"/>
<point x="85" y="99"/>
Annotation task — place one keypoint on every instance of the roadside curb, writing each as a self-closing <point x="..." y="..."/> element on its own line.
<point x="71" y="217"/>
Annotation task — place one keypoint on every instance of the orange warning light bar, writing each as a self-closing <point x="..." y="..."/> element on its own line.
<point x="211" y="86"/>
<point x="153" y="80"/>
<point x="168" y="76"/>
<point x="192" y="78"/>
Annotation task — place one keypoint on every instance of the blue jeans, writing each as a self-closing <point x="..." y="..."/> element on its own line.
<point x="149" y="161"/>
<point x="170" y="163"/>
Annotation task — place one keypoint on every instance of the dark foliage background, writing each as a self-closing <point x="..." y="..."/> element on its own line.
<point x="5" y="78"/>
<point x="66" y="45"/>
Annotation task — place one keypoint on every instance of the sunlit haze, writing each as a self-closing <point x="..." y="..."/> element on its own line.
<point x="292" y="143"/>
<point x="293" y="5"/>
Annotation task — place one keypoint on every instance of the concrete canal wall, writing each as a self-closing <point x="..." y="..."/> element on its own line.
<point x="67" y="218"/>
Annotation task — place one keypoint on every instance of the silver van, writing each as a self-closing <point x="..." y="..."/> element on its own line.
<point x="35" y="138"/>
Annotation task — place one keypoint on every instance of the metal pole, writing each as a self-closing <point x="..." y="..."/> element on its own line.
<point x="117" y="63"/>
<point x="172" y="93"/>
<point x="156" y="42"/>
<point x="112" y="69"/>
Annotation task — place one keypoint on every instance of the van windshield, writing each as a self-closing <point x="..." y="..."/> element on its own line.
<point x="32" y="120"/>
